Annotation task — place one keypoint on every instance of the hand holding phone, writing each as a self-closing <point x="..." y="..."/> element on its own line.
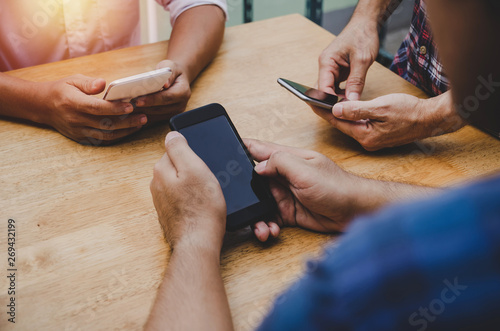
<point x="310" y="95"/>
<point x="213" y="137"/>
<point x="126" y="89"/>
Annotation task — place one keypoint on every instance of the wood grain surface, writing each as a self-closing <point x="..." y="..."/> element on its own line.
<point x="91" y="253"/>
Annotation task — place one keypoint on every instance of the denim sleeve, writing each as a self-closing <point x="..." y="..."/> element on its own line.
<point x="427" y="265"/>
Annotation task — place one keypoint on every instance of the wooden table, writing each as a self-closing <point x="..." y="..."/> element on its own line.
<point x="91" y="253"/>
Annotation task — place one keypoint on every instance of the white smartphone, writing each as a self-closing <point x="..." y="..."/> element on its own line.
<point x="128" y="88"/>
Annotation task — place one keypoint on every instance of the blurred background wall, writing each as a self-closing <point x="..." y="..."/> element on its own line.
<point x="336" y="13"/>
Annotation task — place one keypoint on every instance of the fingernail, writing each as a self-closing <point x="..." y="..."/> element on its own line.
<point x="353" y="96"/>
<point x="143" y="119"/>
<point x="139" y="102"/>
<point x="261" y="166"/>
<point x="337" y="110"/>
<point x="171" y="135"/>
<point x="129" y="108"/>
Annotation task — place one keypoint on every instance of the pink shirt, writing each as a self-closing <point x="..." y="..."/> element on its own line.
<point x="34" y="32"/>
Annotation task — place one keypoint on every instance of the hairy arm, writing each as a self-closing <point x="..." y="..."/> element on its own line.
<point x="376" y="11"/>
<point x="192" y="294"/>
<point x="374" y="194"/>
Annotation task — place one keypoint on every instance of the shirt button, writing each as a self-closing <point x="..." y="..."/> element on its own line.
<point x="423" y="50"/>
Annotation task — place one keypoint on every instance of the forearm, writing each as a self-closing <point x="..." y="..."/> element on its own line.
<point x="196" y="37"/>
<point x="375" y="11"/>
<point x="17" y="98"/>
<point x="375" y="194"/>
<point x="192" y="295"/>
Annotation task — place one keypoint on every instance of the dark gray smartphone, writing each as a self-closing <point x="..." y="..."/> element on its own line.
<point x="213" y="137"/>
<point x="309" y="94"/>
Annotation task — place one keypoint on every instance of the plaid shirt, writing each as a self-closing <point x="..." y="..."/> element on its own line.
<point x="417" y="60"/>
<point x="426" y="265"/>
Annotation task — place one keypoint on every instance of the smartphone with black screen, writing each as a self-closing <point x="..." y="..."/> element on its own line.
<point x="310" y="95"/>
<point x="213" y="137"/>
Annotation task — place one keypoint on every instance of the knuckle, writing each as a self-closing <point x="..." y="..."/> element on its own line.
<point x="277" y="157"/>
<point x="249" y="144"/>
<point x="106" y="124"/>
<point x="362" y="113"/>
<point x="64" y="103"/>
<point x="312" y="155"/>
<point x="325" y="57"/>
<point x="157" y="171"/>
<point x="161" y="99"/>
<point x="71" y="118"/>
<point x="315" y="161"/>
<point x="354" y="112"/>
<point x="322" y="58"/>
<point x="369" y="144"/>
<point x="95" y="134"/>
<point x="174" y="146"/>
<point x="320" y="158"/>
<point x="172" y="143"/>
<point x="87" y="84"/>
<point x="319" y="162"/>
<point x="357" y="80"/>
<point x="364" y="58"/>
<point x="108" y="135"/>
<point x="323" y="161"/>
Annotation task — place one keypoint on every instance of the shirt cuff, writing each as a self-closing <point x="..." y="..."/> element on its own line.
<point x="178" y="7"/>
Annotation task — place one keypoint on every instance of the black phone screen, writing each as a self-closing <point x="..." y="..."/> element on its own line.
<point x="215" y="142"/>
<point x="308" y="94"/>
<point x="213" y="137"/>
<point x="314" y="93"/>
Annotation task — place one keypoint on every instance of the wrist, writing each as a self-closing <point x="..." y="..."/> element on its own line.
<point x="369" y="17"/>
<point x="369" y="195"/>
<point x="40" y="94"/>
<point x="376" y="12"/>
<point x="199" y="246"/>
<point x="440" y="115"/>
<point x="201" y="236"/>
<point x="365" y="14"/>
<point x="374" y="194"/>
<point x="182" y="69"/>
<point x="368" y="22"/>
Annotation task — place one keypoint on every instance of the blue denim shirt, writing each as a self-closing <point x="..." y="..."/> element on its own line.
<point x="427" y="265"/>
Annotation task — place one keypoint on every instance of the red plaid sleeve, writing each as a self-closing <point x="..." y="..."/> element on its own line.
<point x="417" y="59"/>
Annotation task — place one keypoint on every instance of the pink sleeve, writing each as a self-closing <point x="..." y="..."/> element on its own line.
<point x="177" y="7"/>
